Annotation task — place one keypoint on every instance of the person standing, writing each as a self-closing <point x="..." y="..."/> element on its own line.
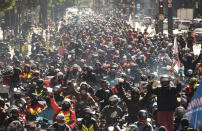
<point x="166" y="101"/>
<point x="190" y="41"/>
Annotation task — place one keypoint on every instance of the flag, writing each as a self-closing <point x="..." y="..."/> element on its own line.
<point x="194" y="109"/>
<point x="89" y="52"/>
<point x="176" y="59"/>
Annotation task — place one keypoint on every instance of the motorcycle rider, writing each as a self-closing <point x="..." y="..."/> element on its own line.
<point x="7" y="75"/>
<point x="60" y="124"/>
<point x="26" y="62"/>
<point x="47" y="112"/>
<point x="166" y="101"/>
<point x="27" y="73"/>
<point x="36" y="76"/>
<point x="190" y="89"/>
<point x="112" y="112"/>
<point x="15" y="126"/>
<point x="179" y="112"/>
<point x="57" y="95"/>
<point x="135" y="103"/>
<point x="15" y="116"/>
<point x="88" y="122"/>
<point x="58" y="80"/>
<point x="34" y="108"/>
<point x="189" y="62"/>
<point x="142" y="123"/>
<point x="66" y="110"/>
<point x="88" y="76"/>
<point x="3" y="113"/>
<point x="103" y="94"/>
<point x="38" y="88"/>
<point x="83" y="99"/>
<point x="190" y="41"/>
<point x="181" y="41"/>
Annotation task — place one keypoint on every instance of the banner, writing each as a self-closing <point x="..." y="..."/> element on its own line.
<point x="194" y="109"/>
<point x="176" y="59"/>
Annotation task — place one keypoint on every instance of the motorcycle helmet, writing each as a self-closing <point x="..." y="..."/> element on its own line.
<point x="117" y="81"/>
<point x="123" y="76"/>
<point x="60" y="118"/>
<point x="15" y="126"/>
<point x="66" y="104"/>
<point x="189" y="72"/>
<point x="135" y="94"/>
<point x="193" y="81"/>
<point x="143" y="77"/>
<point x="142" y="115"/>
<point x="27" y="67"/>
<point x="83" y="88"/>
<point x="179" y="111"/>
<point x="113" y="100"/>
<point x="14" y="112"/>
<point x="27" y="59"/>
<point x="9" y="68"/>
<point x="60" y="75"/>
<point x="165" y="80"/>
<point x="2" y="103"/>
<point x="36" y="73"/>
<point x="40" y="82"/>
<point x="17" y="95"/>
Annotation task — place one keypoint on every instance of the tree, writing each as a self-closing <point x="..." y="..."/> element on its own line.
<point x="6" y="4"/>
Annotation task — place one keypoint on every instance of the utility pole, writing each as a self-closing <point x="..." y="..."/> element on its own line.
<point x="170" y="18"/>
<point x="161" y="15"/>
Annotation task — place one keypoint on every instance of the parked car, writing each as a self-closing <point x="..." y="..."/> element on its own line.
<point x="147" y="20"/>
<point x="198" y="35"/>
<point x="196" y="23"/>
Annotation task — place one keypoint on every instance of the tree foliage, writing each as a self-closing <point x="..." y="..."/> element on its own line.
<point x="6" y="4"/>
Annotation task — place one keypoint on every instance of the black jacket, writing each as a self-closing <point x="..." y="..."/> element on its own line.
<point x="166" y="97"/>
<point x="134" y="106"/>
<point x="90" y="125"/>
<point x="111" y="114"/>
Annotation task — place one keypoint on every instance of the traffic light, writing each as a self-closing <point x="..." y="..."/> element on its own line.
<point x="161" y="6"/>
<point x="161" y="16"/>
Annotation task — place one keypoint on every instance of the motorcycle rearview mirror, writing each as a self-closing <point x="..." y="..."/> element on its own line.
<point x="7" y="105"/>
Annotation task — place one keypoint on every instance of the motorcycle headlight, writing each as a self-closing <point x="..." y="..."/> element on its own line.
<point x="110" y="128"/>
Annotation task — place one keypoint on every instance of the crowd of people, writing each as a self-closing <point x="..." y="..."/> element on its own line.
<point x="97" y="72"/>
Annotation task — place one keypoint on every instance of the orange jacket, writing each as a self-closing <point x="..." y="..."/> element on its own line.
<point x="69" y="115"/>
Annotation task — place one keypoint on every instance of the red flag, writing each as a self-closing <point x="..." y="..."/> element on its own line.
<point x="89" y="52"/>
<point x="175" y="52"/>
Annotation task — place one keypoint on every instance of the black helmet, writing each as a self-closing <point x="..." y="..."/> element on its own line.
<point x="27" y="66"/>
<point x="87" y="110"/>
<point x="142" y="115"/>
<point x="14" y="110"/>
<point x="17" y="95"/>
<point x="179" y="111"/>
<point x="135" y="94"/>
<point x="36" y="73"/>
<point x="2" y="103"/>
<point x="143" y="77"/>
<point x="189" y="57"/>
<point x="17" y="70"/>
<point x="40" y="82"/>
